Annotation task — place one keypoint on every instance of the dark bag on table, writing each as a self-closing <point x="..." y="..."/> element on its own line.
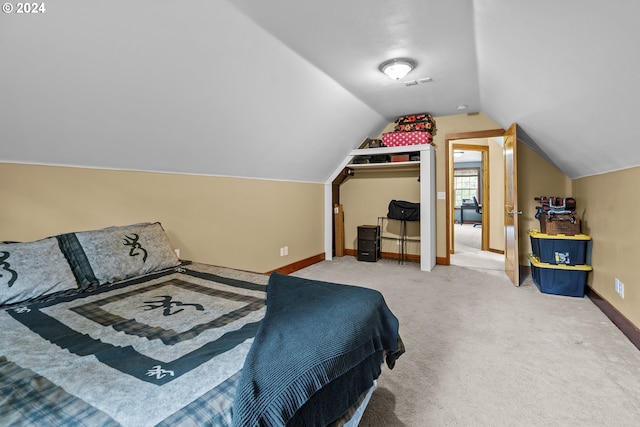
<point x="404" y="211"/>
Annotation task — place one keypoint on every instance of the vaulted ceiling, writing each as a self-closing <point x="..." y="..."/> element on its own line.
<point x="283" y="89"/>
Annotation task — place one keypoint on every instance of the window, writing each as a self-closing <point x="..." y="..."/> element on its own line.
<point x="466" y="184"/>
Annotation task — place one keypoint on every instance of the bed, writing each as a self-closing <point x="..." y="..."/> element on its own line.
<point x="108" y="327"/>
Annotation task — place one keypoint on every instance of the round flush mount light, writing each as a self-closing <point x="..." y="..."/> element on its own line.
<point x="397" y="68"/>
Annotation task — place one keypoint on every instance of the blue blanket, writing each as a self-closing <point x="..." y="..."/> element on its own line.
<point x="316" y="339"/>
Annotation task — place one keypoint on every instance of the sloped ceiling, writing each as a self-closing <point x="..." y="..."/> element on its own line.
<point x="564" y="71"/>
<point x="283" y="89"/>
<point x="185" y="87"/>
<point x="349" y="39"/>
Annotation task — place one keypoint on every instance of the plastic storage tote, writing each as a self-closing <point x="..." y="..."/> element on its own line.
<point x="559" y="249"/>
<point x="559" y="279"/>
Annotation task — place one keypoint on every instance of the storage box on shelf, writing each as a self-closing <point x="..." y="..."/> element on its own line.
<point x="380" y="158"/>
<point x="559" y="248"/>
<point x="400" y="139"/>
<point x="400" y="157"/>
<point x="559" y="279"/>
<point x="567" y="224"/>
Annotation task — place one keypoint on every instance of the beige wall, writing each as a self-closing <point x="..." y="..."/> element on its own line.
<point x="366" y="196"/>
<point x="536" y="177"/>
<point x="232" y="222"/>
<point x="608" y="205"/>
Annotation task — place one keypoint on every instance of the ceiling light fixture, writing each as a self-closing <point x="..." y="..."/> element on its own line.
<point x="397" y="68"/>
<point x="458" y="153"/>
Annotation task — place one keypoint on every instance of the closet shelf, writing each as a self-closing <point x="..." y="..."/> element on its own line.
<point x="412" y="165"/>
<point x="386" y="167"/>
<point x="389" y="150"/>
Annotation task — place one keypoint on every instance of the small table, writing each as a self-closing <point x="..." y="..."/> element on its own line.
<point x="462" y="209"/>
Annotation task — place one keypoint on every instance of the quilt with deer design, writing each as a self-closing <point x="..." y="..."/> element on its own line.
<point x="164" y="348"/>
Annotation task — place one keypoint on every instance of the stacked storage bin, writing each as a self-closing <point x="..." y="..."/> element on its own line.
<point x="558" y="263"/>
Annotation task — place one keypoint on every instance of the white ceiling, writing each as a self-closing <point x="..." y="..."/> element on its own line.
<point x="564" y="71"/>
<point x="284" y="89"/>
<point x="349" y="39"/>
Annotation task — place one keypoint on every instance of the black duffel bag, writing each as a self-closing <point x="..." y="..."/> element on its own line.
<point x="404" y="211"/>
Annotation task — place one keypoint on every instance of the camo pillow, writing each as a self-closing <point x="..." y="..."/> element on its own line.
<point x="33" y="269"/>
<point x="117" y="253"/>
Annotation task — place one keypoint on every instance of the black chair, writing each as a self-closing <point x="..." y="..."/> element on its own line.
<point x="478" y="211"/>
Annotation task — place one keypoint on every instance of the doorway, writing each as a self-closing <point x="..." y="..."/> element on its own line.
<point x="469" y="189"/>
<point x="467" y="193"/>
<point x="475" y="187"/>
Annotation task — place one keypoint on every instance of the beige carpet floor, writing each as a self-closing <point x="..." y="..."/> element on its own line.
<point x="481" y="352"/>
<point x="468" y="253"/>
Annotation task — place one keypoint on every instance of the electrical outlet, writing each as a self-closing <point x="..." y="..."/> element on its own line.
<point x="284" y="251"/>
<point x="177" y="251"/>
